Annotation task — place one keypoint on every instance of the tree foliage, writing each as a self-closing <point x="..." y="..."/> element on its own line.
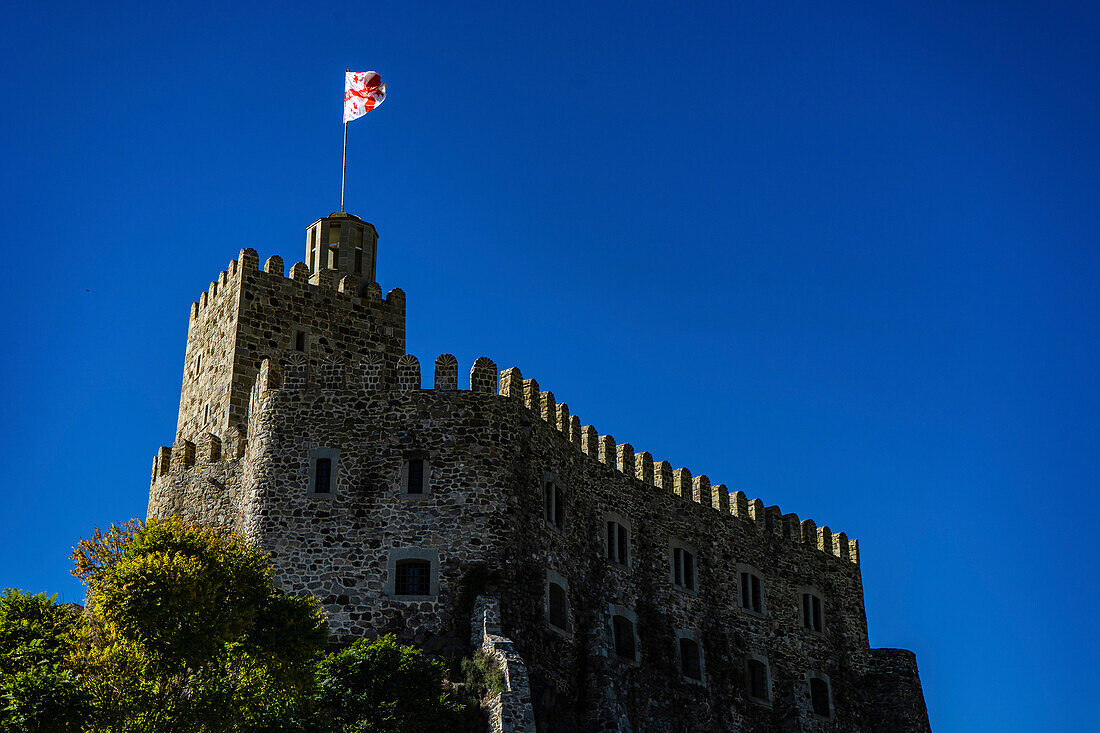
<point x="184" y="631"/>
<point x="188" y="633"/>
<point x="384" y="687"/>
<point x="40" y="686"/>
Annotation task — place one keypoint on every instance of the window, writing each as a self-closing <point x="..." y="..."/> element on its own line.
<point x="300" y="341"/>
<point x="812" y="619"/>
<point x="416" y="471"/>
<point x="623" y="630"/>
<point x="683" y="568"/>
<point x="412" y="573"/>
<point x="313" y="248"/>
<point x="555" y="505"/>
<point x="752" y="596"/>
<point x="558" y="606"/>
<point x="413" y="578"/>
<point x="618" y="542"/>
<point x="756" y="678"/>
<point x="819" y="697"/>
<point x="324" y="469"/>
<point x="322" y="476"/>
<point x="416" y="476"/>
<point x="358" y="261"/>
<point x="334" y="257"/>
<point x="689" y="659"/>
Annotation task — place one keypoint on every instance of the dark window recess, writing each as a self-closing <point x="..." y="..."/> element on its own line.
<point x="751" y="593"/>
<point x="618" y="543"/>
<point x="313" y="247"/>
<point x="683" y="570"/>
<point x="334" y="258"/>
<point x="758" y="679"/>
<point x="559" y="607"/>
<point x="413" y="578"/>
<point x="811" y="612"/>
<point x="358" y="262"/>
<point x="299" y="340"/>
<point x="322" y="479"/>
<point x="689" y="659"/>
<point x="624" y="637"/>
<point x="555" y="505"/>
<point x="819" y="696"/>
<point x="416" y="475"/>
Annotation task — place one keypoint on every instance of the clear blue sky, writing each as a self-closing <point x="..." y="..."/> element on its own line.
<point x="842" y="256"/>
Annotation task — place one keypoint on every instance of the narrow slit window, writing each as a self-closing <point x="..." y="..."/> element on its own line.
<point x="416" y="476"/>
<point x="811" y="612"/>
<point x="677" y="566"/>
<point x="413" y="578"/>
<point x="300" y="341"/>
<point x="323" y="476"/>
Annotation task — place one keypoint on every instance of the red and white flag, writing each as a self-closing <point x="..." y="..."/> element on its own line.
<point x="363" y="91"/>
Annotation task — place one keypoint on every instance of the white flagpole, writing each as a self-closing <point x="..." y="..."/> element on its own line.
<point x="344" y="170"/>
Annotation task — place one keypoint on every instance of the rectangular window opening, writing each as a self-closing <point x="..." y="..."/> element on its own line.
<point x="559" y="607"/>
<point x="819" y="696"/>
<point x="413" y="578"/>
<point x="416" y="476"/>
<point x="689" y="659"/>
<point x="758" y="679"/>
<point x="300" y="341"/>
<point x="322" y="476"/>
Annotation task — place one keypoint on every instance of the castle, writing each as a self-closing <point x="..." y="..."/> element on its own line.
<point x="615" y="592"/>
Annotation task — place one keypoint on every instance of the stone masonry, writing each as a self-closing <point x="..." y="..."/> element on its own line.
<point x="615" y="592"/>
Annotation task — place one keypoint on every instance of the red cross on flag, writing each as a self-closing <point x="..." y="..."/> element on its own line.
<point x="363" y="91"/>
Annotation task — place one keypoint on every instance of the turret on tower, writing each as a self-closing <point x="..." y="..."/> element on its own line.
<point x="345" y="244"/>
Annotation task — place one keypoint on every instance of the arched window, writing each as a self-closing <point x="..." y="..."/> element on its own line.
<point x="757" y="679"/>
<point x="413" y="578"/>
<point x="623" y="629"/>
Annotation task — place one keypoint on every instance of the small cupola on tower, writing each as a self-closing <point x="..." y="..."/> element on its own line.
<point x="345" y="244"/>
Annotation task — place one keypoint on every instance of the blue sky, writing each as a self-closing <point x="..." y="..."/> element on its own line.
<point x="840" y="256"/>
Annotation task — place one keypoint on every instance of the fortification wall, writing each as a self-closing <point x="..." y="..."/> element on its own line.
<point x="489" y="453"/>
<point x="248" y="315"/>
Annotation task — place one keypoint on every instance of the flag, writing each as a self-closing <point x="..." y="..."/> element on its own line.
<point x="363" y="91"/>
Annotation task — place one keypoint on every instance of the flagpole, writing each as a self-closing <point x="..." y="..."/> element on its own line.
<point x="344" y="168"/>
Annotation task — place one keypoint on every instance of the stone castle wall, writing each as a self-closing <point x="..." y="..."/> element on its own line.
<point x="490" y="451"/>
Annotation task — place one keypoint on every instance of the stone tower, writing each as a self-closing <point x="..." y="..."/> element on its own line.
<point x="615" y="592"/>
<point x="247" y="315"/>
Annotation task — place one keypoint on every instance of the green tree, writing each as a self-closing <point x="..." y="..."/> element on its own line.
<point x="186" y="632"/>
<point x="40" y="688"/>
<point x="384" y="687"/>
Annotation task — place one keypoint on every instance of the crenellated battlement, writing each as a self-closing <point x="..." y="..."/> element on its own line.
<point x="299" y="276"/>
<point x="299" y="373"/>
